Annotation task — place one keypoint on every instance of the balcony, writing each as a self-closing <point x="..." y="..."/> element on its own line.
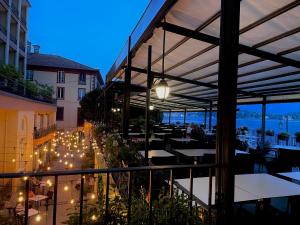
<point x="23" y="21"/>
<point x="14" y="9"/>
<point x="3" y="29"/>
<point x="22" y="46"/>
<point x="44" y="132"/>
<point x="101" y="208"/>
<point x="7" y="2"/>
<point x="13" y="38"/>
<point x="25" y="89"/>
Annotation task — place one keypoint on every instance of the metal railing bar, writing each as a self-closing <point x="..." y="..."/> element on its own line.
<point x="26" y="202"/>
<point x="150" y="197"/>
<point x="55" y="199"/>
<point x="81" y="200"/>
<point x="191" y="192"/>
<point x="209" y="196"/>
<point x="129" y="196"/>
<point x="99" y="171"/>
<point x="106" y="197"/>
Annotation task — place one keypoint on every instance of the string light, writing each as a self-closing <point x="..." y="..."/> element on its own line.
<point x="21" y="199"/>
<point x="93" y="196"/>
<point x="38" y="218"/>
<point x="66" y="188"/>
<point x="93" y="217"/>
<point x="72" y="201"/>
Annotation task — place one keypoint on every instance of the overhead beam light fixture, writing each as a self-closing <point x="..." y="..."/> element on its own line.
<point x="162" y="89"/>
<point x="151" y="107"/>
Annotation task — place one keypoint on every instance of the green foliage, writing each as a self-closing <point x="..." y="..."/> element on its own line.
<point x="89" y="106"/>
<point x="283" y="136"/>
<point x="138" y="124"/>
<point x="10" y="72"/>
<point x="270" y="133"/>
<point x="165" y="210"/>
<point x="297" y="134"/>
<point x="46" y="91"/>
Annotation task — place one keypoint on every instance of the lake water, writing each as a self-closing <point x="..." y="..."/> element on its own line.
<point x="253" y="124"/>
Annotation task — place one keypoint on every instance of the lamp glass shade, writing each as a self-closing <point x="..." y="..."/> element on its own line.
<point x="162" y="90"/>
<point x="151" y="107"/>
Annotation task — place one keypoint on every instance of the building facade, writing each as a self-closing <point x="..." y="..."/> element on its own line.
<point x="70" y="80"/>
<point x="21" y="119"/>
<point x="13" y="33"/>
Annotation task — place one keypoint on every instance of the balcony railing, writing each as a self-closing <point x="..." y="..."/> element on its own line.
<point x="7" y="2"/>
<point x="13" y="38"/>
<point x="3" y="29"/>
<point x="14" y="9"/>
<point x="43" y="132"/>
<point x="167" y="173"/>
<point x="23" y="21"/>
<point x="20" y="88"/>
<point x="22" y="47"/>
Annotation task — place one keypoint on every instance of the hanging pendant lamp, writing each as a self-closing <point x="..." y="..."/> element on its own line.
<point x="162" y="89"/>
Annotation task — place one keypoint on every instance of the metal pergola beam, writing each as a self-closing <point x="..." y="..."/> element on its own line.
<point x="215" y="41"/>
<point x="189" y="97"/>
<point x="226" y="116"/>
<point x="194" y="82"/>
<point x="126" y="97"/>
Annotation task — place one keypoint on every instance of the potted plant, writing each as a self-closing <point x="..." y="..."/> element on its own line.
<point x="283" y="136"/>
<point x="270" y="133"/>
<point x="297" y="135"/>
<point x="258" y="131"/>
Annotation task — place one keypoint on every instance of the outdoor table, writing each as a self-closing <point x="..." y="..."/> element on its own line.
<point x="157" y="153"/>
<point x="248" y="187"/>
<point x="31" y="212"/>
<point x="150" y="139"/>
<point x="38" y="198"/>
<point x="182" y="139"/>
<point x="201" y="152"/>
<point x="291" y="175"/>
<point x="286" y="147"/>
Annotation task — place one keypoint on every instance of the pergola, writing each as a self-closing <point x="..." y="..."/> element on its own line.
<point x="218" y="54"/>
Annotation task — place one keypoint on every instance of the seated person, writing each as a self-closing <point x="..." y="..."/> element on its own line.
<point x="31" y="194"/>
<point x="20" y="208"/>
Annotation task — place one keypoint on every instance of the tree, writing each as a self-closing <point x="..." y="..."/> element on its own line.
<point x="89" y="106"/>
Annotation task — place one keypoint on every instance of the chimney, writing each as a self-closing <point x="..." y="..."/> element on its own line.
<point x="36" y="49"/>
<point x="28" y="47"/>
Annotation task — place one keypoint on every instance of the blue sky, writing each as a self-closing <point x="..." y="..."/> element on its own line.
<point x="91" y="32"/>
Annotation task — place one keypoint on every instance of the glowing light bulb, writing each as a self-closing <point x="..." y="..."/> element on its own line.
<point x="38" y="218"/>
<point x="48" y="168"/>
<point x="71" y="165"/>
<point x="60" y="161"/>
<point x="93" y="196"/>
<point x="21" y="199"/>
<point x="66" y="188"/>
<point x="93" y="217"/>
<point x="35" y="153"/>
<point x="25" y="178"/>
<point x="20" y="193"/>
<point x="72" y="201"/>
<point x="13" y="160"/>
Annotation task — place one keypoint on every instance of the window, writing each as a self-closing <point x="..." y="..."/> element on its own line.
<point x="82" y="78"/>
<point x="60" y="77"/>
<point x="29" y="75"/>
<point x="60" y="114"/>
<point x="60" y="93"/>
<point x="81" y="93"/>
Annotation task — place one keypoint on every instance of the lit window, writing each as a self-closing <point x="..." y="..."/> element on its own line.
<point x="81" y="93"/>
